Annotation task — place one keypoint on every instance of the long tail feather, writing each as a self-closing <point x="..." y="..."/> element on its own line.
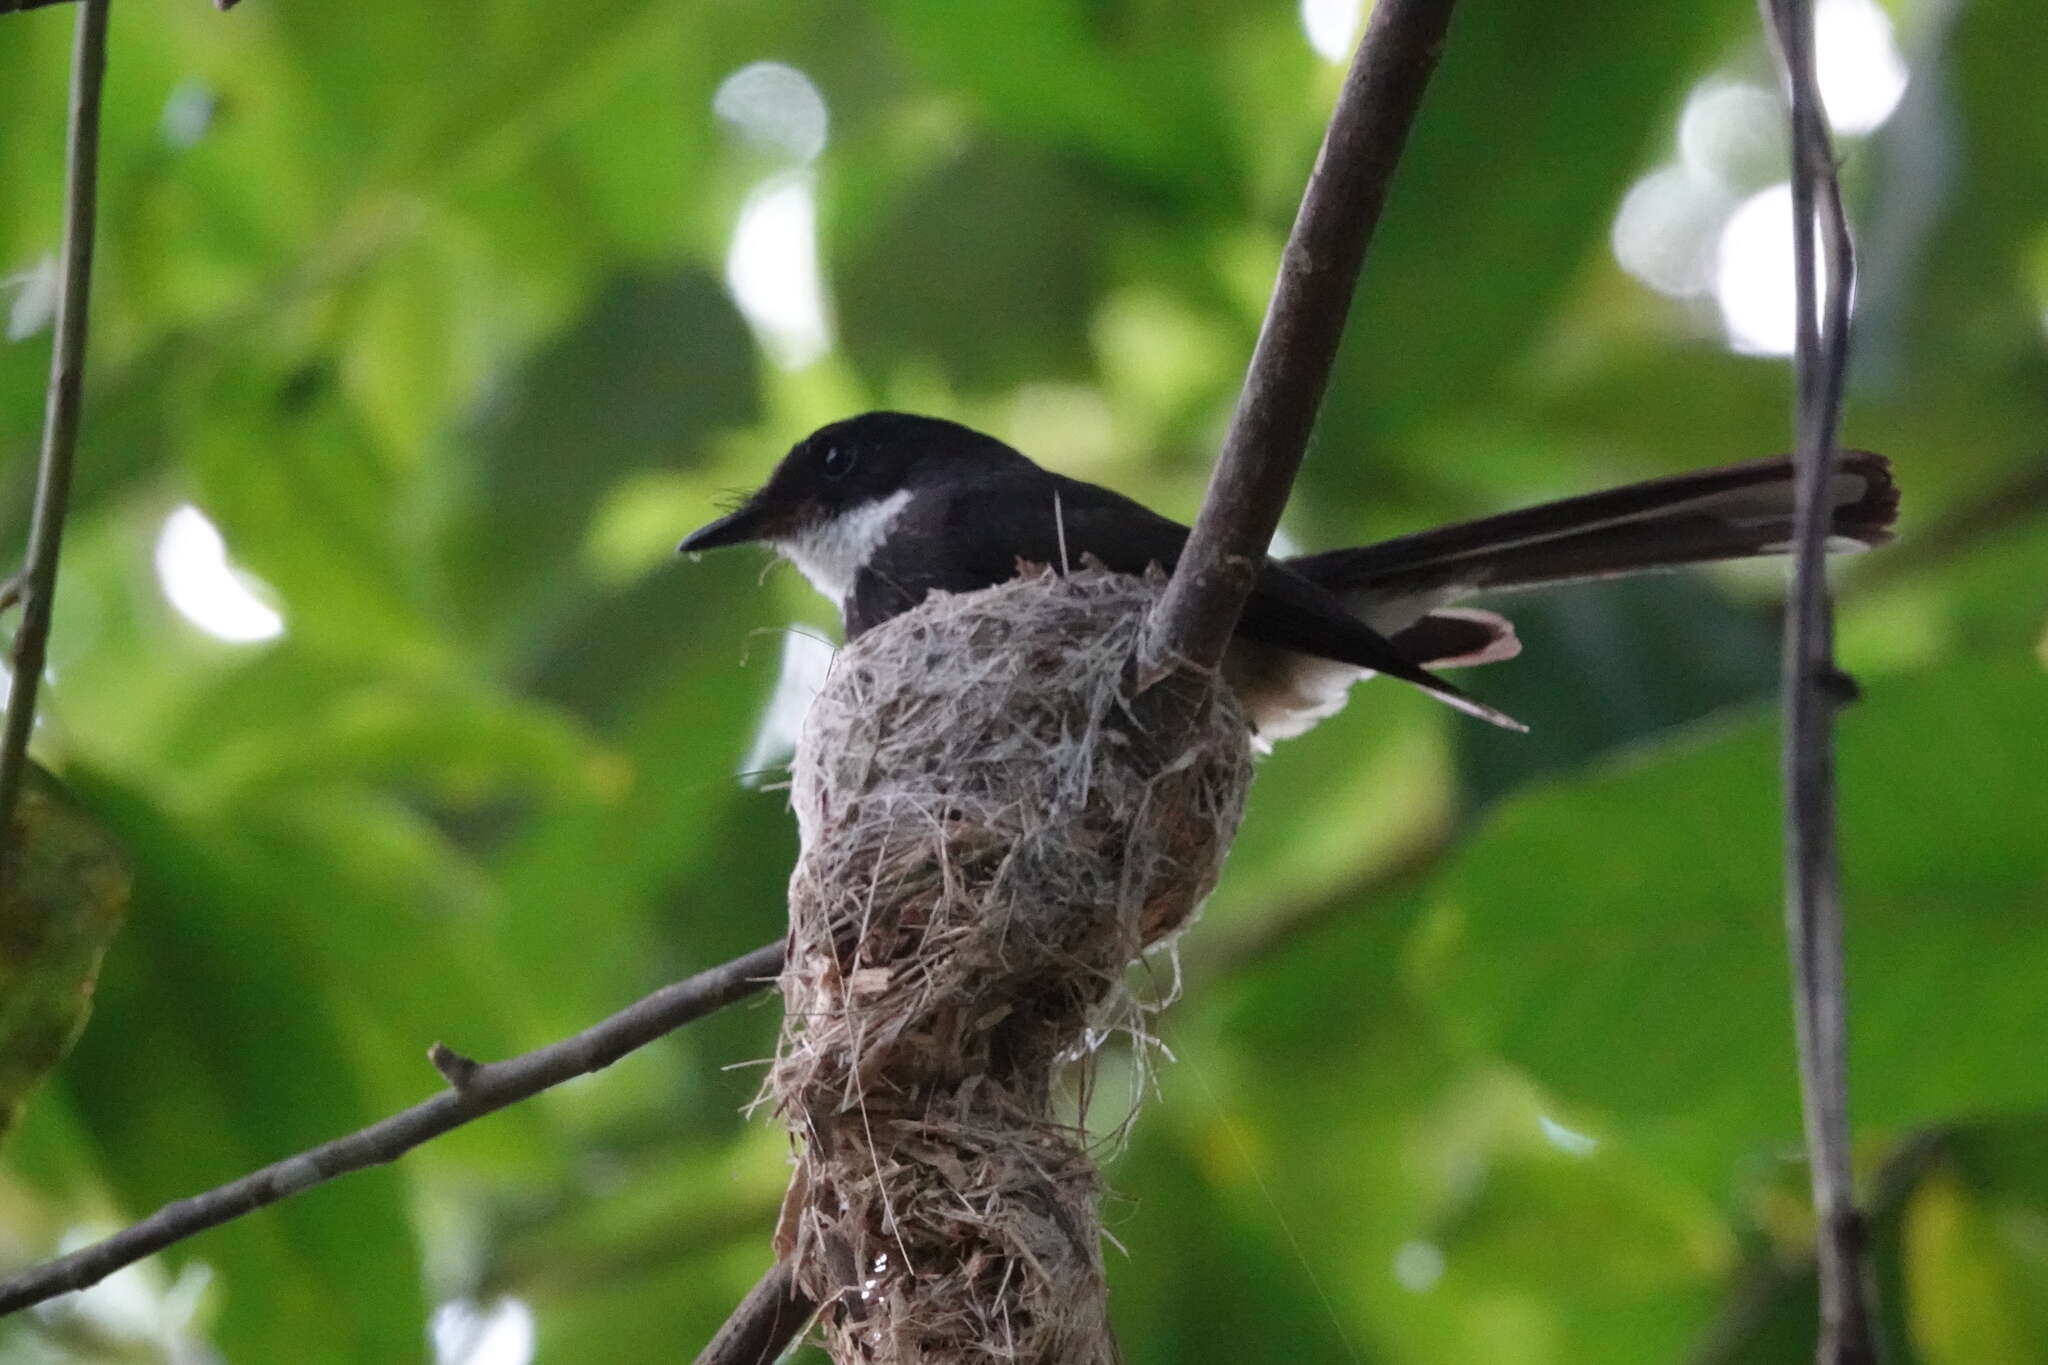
<point x="1729" y="513"/>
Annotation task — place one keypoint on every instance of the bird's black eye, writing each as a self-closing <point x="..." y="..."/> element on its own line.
<point x="838" y="461"/>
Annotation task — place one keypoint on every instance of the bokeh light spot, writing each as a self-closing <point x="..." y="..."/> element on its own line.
<point x="1418" y="1266"/>
<point x="1733" y="132"/>
<point x="1666" y="229"/>
<point x="1331" y="26"/>
<point x="193" y="570"/>
<point x="775" y="107"/>
<point x="1570" y="1141"/>
<point x="1753" y="274"/>
<point x="35" y="298"/>
<point x="772" y="270"/>
<point x="188" y="113"/>
<point x="468" y="1333"/>
<point x="806" y="660"/>
<point x="1861" y="74"/>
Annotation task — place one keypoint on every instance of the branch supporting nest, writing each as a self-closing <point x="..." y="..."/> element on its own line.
<point x="996" y="823"/>
<point x="1290" y="368"/>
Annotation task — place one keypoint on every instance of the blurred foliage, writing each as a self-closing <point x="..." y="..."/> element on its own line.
<point x="427" y="309"/>
<point x="63" y="895"/>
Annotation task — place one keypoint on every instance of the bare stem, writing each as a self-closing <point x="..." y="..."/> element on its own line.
<point x="771" y="1316"/>
<point x="485" y="1088"/>
<point x="60" y="420"/>
<point x="1276" y="410"/>
<point x="1813" y="688"/>
<point x="1769" y="1280"/>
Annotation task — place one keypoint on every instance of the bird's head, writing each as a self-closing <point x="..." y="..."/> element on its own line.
<point x="844" y="473"/>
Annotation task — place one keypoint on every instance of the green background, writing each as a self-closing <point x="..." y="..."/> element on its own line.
<point x="1486" y="1051"/>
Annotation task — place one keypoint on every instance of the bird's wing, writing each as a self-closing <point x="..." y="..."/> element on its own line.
<point x="960" y="543"/>
<point x="975" y="538"/>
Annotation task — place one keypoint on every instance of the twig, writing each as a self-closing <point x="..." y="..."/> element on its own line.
<point x="1732" y="1336"/>
<point x="489" y="1087"/>
<point x="771" y="1316"/>
<point x="60" y="419"/>
<point x="1813" y="688"/>
<point x="459" y="1071"/>
<point x="1276" y="410"/>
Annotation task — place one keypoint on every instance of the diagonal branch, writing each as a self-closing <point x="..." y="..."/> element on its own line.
<point x="1276" y="410"/>
<point x="773" y="1314"/>
<point x="1813" y="689"/>
<point x="475" y="1090"/>
<point x="60" y="422"/>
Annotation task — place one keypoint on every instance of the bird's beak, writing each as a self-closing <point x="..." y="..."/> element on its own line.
<point x="736" y="528"/>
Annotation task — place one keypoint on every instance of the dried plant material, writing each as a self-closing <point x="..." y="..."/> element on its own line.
<point x="995" y="825"/>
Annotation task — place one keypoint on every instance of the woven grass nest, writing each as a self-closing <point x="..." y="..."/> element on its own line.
<point x="994" y="828"/>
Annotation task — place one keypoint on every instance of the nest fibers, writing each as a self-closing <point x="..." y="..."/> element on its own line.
<point x="994" y="827"/>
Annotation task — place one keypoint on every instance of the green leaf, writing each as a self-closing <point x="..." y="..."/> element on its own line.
<point x="656" y="366"/>
<point x="214" y="1056"/>
<point x="1607" y="665"/>
<point x="998" y="234"/>
<point x="1116" y="89"/>
<point x="63" y="897"/>
<point x="680" y="866"/>
<point x="1619" y="935"/>
<point x="1973" y="1300"/>
<point x="1536" y="121"/>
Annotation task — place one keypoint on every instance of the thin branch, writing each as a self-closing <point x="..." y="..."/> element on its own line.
<point x="1770" y="1279"/>
<point x="60" y="420"/>
<point x="771" y="1316"/>
<point x="488" y="1087"/>
<point x="1813" y="688"/>
<point x="1276" y="410"/>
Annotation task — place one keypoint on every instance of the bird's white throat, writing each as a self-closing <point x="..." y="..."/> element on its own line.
<point x="832" y="552"/>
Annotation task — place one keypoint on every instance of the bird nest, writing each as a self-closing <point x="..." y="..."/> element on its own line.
<point x="996" y="822"/>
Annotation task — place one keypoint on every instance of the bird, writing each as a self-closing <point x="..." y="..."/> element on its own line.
<point x="880" y="509"/>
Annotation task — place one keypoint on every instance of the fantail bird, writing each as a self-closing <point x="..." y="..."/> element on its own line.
<point x="878" y="510"/>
